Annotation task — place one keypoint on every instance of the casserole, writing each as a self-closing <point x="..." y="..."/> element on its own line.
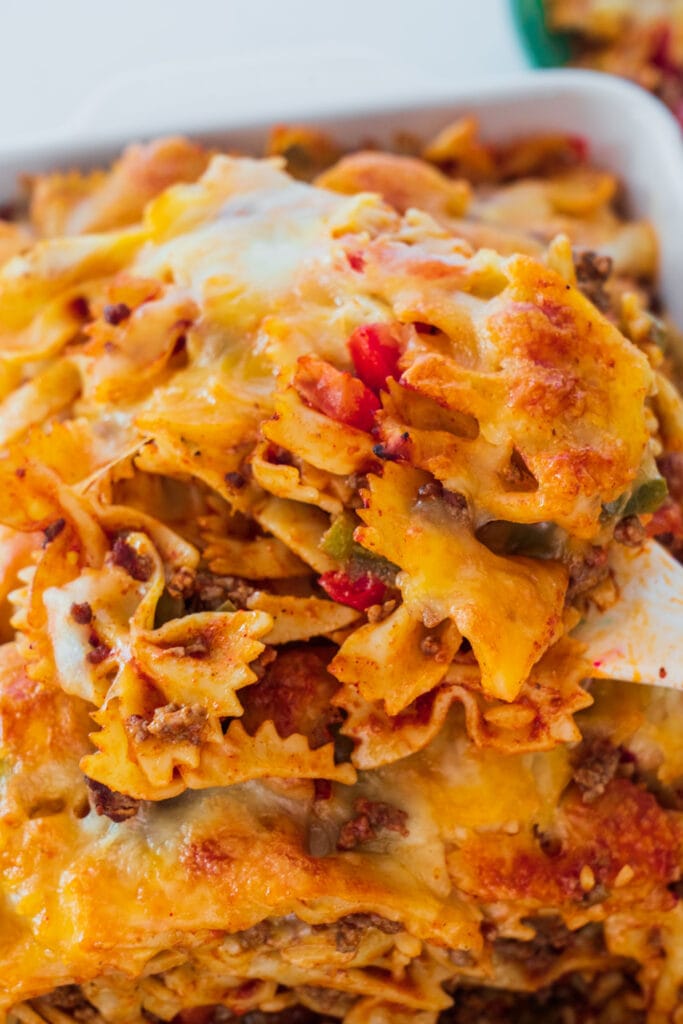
<point x="192" y="879"/>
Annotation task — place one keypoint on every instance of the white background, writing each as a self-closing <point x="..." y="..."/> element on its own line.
<point x="59" y="56"/>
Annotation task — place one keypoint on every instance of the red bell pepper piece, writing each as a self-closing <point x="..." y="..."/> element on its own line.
<point x="336" y="393"/>
<point x="359" y="592"/>
<point x="375" y="352"/>
<point x="356" y="261"/>
<point x="580" y="146"/>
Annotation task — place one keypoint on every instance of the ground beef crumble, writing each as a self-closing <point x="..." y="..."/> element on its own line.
<point x="551" y="938"/>
<point x="99" y="653"/>
<point x="630" y="532"/>
<point x="370" y="818"/>
<point x="116" y="313"/>
<point x="198" y="647"/>
<point x="667" y="522"/>
<point x="182" y="583"/>
<point x="211" y="591"/>
<point x="666" y="526"/>
<point x="433" y="496"/>
<point x="256" y="936"/>
<point x="586" y="571"/>
<point x="222" y="1015"/>
<point x="612" y="996"/>
<point x="81" y="613"/>
<point x="595" y="762"/>
<point x="127" y="558"/>
<point x="174" y="723"/>
<point x="350" y="929"/>
<point x="117" y="806"/>
<point x="70" y="999"/>
<point x="592" y="273"/>
<point x="671" y="468"/>
<point x="53" y="530"/>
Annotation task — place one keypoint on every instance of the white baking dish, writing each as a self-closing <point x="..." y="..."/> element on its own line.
<point x="628" y="131"/>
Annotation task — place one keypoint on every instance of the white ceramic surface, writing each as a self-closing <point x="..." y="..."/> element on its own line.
<point x="639" y="638"/>
<point x="57" y="56"/>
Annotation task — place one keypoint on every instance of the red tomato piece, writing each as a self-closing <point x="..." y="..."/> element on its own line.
<point x="336" y="393"/>
<point x="375" y="353"/>
<point x="356" y="261"/>
<point x="358" y="592"/>
<point x="580" y="145"/>
<point x="661" y="51"/>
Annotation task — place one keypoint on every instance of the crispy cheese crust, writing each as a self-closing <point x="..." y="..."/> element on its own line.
<point x="303" y="489"/>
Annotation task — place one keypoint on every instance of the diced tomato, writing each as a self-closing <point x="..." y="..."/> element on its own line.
<point x="579" y="144"/>
<point x="661" y="50"/>
<point x="358" y="592"/>
<point x="356" y="261"/>
<point x="375" y="352"/>
<point x="667" y="519"/>
<point x="336" y="393"/>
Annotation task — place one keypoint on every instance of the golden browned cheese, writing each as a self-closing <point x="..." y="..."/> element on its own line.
<point x="302" y="493"/>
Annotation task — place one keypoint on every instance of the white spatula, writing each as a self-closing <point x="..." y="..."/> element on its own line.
<point x="639" y="639"/>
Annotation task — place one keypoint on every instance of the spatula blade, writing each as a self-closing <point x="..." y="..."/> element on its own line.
<point x="640" y="638"/>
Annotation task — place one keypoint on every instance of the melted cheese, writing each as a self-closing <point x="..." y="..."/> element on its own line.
<point x="447" y="573"/>
<point x="390" y="784"/>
